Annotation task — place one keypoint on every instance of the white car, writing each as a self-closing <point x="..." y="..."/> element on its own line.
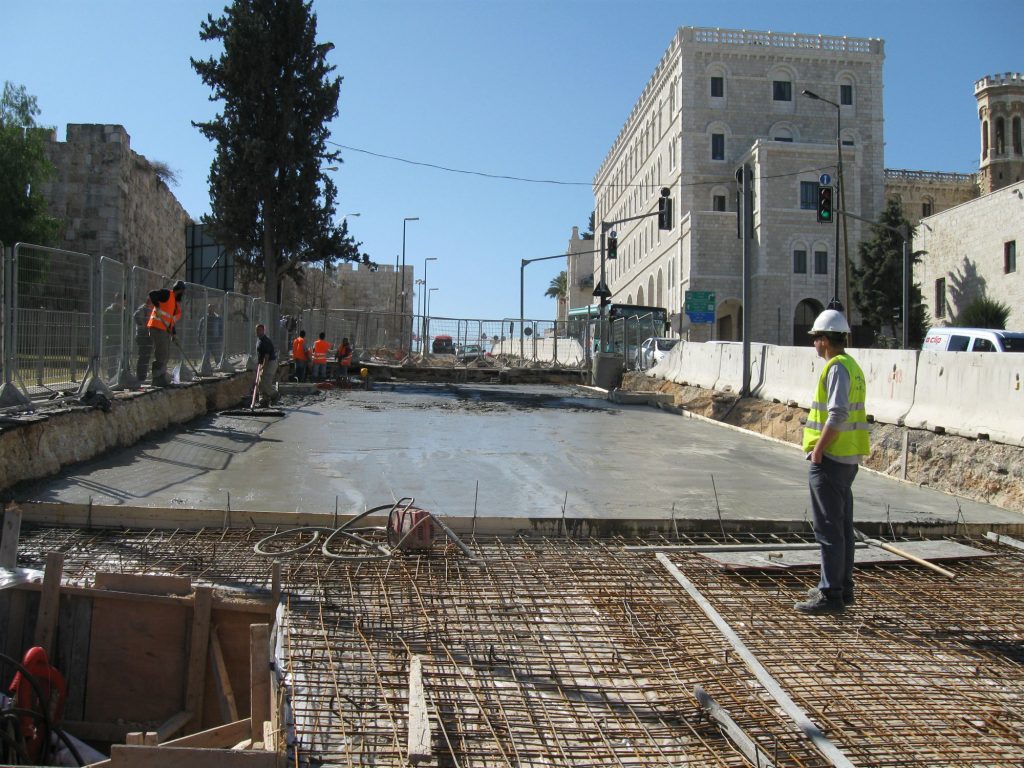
<point x="653" y="350"/>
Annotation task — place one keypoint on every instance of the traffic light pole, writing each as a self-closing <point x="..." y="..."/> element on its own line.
<point x="522" y="270"/>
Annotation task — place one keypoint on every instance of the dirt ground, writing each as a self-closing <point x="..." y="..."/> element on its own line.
<point x="974" y="469"/>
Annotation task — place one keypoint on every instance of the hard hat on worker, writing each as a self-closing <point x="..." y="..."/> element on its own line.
<point x="830" y="321"/>
<point x="178" y="286"/>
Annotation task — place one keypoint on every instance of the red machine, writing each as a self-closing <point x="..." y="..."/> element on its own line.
<point x="410" y="528"/>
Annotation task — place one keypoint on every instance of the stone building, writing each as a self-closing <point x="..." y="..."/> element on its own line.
<point x="925" y="193"/>
<point x="351" y="286"/>
<point x="1001" y="112"/>
<point x="112" y="201"/>
<point x="579" y="273"/>
<point x="718" y="99"/>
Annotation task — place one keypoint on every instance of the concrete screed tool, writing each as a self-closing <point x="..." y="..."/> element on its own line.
<point x="252" y="410"/>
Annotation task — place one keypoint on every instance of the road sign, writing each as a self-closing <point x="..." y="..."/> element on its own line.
<point x="602" y="290"/>
<point x="824" y="179"/>
<point x="700" y="306"/>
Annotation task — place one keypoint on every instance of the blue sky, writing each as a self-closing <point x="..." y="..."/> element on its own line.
<point x="529" y="88"/>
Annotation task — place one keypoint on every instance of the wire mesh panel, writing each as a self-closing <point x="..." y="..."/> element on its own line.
<point x="189" y="339"/>
<point x="55" y="297"/>
<point x="238" y="331"/>
<point x="113" y="321"/>
<point x="210" y="331"/>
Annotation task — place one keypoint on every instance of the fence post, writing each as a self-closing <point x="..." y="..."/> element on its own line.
<point x="10" y="395"/>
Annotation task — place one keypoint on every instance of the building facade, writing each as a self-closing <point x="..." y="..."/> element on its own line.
<point x="718" y="99"/>
<point x="112" y="201"/>
<point x="925" y="193"/>
<point x="579" y="272"/>
<point x="1001" y="112"/>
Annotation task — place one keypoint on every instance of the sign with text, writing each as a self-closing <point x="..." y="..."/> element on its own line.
<point x="700" y="306"/>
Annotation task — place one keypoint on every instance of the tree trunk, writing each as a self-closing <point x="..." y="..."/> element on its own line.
<point x="269" y="265"/>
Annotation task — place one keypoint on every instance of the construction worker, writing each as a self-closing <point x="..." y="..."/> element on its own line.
<point x="835" y="437"/>
<point x="300" y="356"/>
<point x="320" y="350"/>
<point x="344" y="358"/>
<point x="166" y="313"/>
<point x="266" y="357"/>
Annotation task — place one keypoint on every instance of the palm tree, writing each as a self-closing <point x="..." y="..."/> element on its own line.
<point x="559" y="290"/>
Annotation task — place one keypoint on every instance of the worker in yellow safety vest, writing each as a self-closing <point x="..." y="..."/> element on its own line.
<point x="320" y="350"/>
<point x="162" y="320"/>
<point x="836" y="436"/>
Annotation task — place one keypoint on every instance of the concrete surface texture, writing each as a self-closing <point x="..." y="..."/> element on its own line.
<point x="500" y="450"/>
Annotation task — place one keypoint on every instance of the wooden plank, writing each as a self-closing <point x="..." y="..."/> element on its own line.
<point x="259" y="678"/>
<point x="248" y="603"/>
<point x="73" y="651"/>
<point x="221" y="737"/>
<point x="419" y="723"/>
<point x="129" y="756"/>
<point x="197" y="657"/>
<point x="747" y="746"/>
<point x="172" y="725"/>
<point x="809" y="729"/>
<point x="49" y="604"/>
<point x="221" y="679"/>
<point x="233" y="635"/>
<point x="1008" y="541"/>
<point x="144" y="583"/>
<point x="10" y="536"/>
<point x="782" y="559"/>
<point x="137" y="660"/>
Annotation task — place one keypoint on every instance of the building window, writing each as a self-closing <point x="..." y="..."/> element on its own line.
<point x="718" y="203"/>
<point x="782" y="90"/>
<point x="846" y="95"/>
<point x="718" y="146"/>
<point x="940" y="297"/>
<point x="1010" y="257"/>
<point x="821" y="262"/>
<point x="717" y="87"/>
<point x="784" y="138"/>
<point x="1016" y="136"/>
<point x="847" y="142"/>
<point x="808" y="196"/>
<point x="800" y="262"/>
<point x="926" y="208"/>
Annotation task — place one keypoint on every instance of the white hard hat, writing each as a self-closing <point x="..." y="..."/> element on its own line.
<point x="830" y="321"/>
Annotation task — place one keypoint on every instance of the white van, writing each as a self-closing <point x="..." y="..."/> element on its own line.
<point x="972" y="340"/>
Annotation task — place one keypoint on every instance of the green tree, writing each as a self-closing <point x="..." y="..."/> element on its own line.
<point x="271" y="200"/>
<point x="984" y="312"/>
<point x="558" y="289"/>
<point x="23" y="168"/>
<point x="589" y="234"/>
<point x="878" y="280"/>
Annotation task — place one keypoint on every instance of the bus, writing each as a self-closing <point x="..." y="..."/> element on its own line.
<point x="625" y="328"/>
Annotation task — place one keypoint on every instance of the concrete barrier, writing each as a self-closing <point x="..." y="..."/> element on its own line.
<point x="973" y="394"/>
<point x="891" y="377"/>
<point x="730" y="369"/>
<point x="789" y="375"/>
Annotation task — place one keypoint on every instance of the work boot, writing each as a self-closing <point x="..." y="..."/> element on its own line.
<point x="848" y="598"/>
<point x="821" y="604"/>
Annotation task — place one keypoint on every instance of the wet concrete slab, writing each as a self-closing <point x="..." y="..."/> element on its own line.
<point x="508" y="451"/>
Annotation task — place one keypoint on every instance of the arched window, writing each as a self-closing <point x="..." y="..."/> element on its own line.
<point x="1000" y="143"/>
<point x="650" y="288"/>
<point x="1016" y="136"/>
<point x="640" y="296"/>
<point x="661" y="291"/>
<point x="803" y="319"/>
<point x="984" y="139"/>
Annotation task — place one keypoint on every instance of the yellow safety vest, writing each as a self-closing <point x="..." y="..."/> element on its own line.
<point x="853" y="433"/>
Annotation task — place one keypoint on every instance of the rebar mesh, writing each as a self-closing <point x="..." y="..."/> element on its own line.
<point x="563" y="652"/>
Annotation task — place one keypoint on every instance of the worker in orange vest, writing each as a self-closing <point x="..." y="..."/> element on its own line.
<point x="344" y="358"/>
<point x="300" y="356"/>
<point x="166" y="313"/>
<point x="320" y="350"/>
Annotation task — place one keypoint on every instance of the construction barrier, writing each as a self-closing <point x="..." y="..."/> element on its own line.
<point x="891" y="378"/>
<point x="730" y="368"/>
<point x="789" y="375"/>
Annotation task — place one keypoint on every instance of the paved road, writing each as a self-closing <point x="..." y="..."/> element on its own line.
<point x="508" y="451"/>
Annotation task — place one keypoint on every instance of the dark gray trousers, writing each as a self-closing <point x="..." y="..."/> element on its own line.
<point x="832" y="504"/>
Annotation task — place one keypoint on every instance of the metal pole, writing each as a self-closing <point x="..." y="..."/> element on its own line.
<point x="839" y="173"/>
<point x="406" y="219"/>
<point x="906" y="287"/>
<point x="747" y="292"/>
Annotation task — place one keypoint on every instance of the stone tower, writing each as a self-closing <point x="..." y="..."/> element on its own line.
<point x="1001" y="112"/>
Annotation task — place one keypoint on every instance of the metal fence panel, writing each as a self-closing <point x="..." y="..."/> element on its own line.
<point x="113" y="321"/>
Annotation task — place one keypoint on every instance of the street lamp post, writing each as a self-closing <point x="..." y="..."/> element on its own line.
<point x="835" y="303"/>
<point x="404" y="221"/>
<point x="422" y="317"/>
<point x="430" y="291"/>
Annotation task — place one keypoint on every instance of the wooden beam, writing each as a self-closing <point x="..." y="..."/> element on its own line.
<point x="9" y="539"/>
<point x="735" y="734"/>
<point x="222" y="737"/>
<point x="127" y="756"/>
<point x="1008" y="541"/>
<point x="771" y="685"/>
<point x="172" y="725"/>
<point x="49" y="602"/>
<point x="221" y="681"/>
<point x="259" y="678"/>
<point x="419" y="722"/>
<point x="247" y="604"/>
<point x="144" y="583"/>
<point x="197" y="658"/>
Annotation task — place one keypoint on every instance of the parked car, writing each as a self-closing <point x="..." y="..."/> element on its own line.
<point x="972" y="340"/>
<point x="653" y="350"/>
<point x="468" y="353"/>
<point x="442" y="345"/>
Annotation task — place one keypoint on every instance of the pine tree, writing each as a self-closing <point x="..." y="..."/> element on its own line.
<point x="878" y="280"/>
<point x="271" y="200"/>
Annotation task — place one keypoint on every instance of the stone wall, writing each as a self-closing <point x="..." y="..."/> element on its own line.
<point x="352" y="286"/>
<point x="966" y="247"/>
<point x="112" y="202"/>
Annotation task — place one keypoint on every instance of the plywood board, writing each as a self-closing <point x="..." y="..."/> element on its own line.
<point x="780" y="560"/>
<point x="233" y="637"/>
<point x="73" y="651"/>
<point x="124" y="756"/>
<point x="137" y="660"/>
<point x="144" y="583"/>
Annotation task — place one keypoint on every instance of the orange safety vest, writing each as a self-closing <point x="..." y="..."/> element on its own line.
<point x="165" y="314"/>
<point x="299" y="351"/>
<point x="320" y="349"/>
<point x="345" y="355"/>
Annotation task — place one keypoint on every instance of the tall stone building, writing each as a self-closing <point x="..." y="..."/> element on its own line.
<point x="1001" y="112"/>
<point x="112" y="200"/>
<point x="579" y="273"/>
<point x="717" y="100"/>
<point x="925" y="193"/>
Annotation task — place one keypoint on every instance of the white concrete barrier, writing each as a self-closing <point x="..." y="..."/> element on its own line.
<point x="665" y="366"/>
<point x="730" y="369"/>
<point x="891" y="376"/>
<point x="971" y="394"/>
<point x="789" y="375"/>
<point x="700" y="364"/>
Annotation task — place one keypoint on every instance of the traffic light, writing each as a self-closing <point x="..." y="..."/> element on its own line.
<point x="825" y="204"/>
<point x="613" y="245"/>
<point x="664" y="212"/>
